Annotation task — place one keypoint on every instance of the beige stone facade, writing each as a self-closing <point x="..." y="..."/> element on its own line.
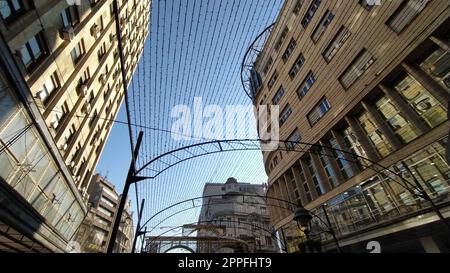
<point x="61" y="89"/>
<point x="78" y="92"/>
<point x="370" y="80"/>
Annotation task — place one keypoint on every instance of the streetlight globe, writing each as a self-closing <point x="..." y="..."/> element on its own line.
<point x="302" y="216"/>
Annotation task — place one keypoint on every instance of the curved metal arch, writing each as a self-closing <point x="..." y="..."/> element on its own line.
<point x="219" y="146"/>
<point x="228" y="238"/>
<point x="250" y="57"/>
<point x="216" y="195"/>
<point x="193" y="207"/>
<point x="180" y="246"/>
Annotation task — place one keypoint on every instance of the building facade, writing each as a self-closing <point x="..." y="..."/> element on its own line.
<point x="239" y="211"/>
<point x="371" y="82"/>
<point x="94" y="233"/>
<point x="63" y="86"/>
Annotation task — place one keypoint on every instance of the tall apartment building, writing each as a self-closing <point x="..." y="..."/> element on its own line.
<point x="372" y="80"/>
<point x="223" y="208"/>
<point x="62" y="87"/>
<point x="94" y="233"/>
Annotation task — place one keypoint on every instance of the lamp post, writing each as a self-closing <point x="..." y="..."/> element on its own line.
<point x="303" y="218"/>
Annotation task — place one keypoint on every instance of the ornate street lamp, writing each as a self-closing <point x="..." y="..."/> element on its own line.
<point x="303" y="218"/>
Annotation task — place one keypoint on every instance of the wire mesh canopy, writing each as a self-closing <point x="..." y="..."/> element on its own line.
<point x="193" y="53"/>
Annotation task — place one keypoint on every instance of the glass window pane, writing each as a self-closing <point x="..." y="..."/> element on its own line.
<point x="378" y="139"/>
<point x="16" y="4"/>
<point x="35" y="47"/>
<point x="395" y="120"/>
<point x="422" y="102"/>
<point x="65" y="18"/>
<point x="6" y="166"/>
<point x="25" y="56"/>
<point x="5" y="10"/>
<point x="7" y="105"/>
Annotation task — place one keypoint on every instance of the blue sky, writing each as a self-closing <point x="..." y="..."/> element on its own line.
<point x="194" y="49"/>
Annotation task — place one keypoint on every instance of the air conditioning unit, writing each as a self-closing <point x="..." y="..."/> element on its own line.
<point x="72" y="164"/>
<point x="95" y="31"/>
<point x="82" y="90"/>
<point x="18" y="52"/>
<point x="54" y="124"/>
<point x="102" y="78"/>
<point x="63" y="146"/>
<point x="88" y="108"/>
<point x="40" y="95"/>
<point x="68" y="33"/>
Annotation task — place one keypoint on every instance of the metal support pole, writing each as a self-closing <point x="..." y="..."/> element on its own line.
<point x="143" y="239"/>
<point x="131" y="178"/>
<point x="448" y="141"/>
<point x="285" y="248"/>
<point x="331" y="230"/>
<point x="427" y="196"/>
<point x="138" y="227"/>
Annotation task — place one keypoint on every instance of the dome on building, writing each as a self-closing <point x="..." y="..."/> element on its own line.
<point x="231" y="180"/>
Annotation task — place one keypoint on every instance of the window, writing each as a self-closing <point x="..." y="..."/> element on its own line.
<point x="406" y="12"/>
<point x="306" y="85"/>
<point x="310" y="13"/>
<point x="437" y="65"/>
<point x="85" y="77"/>
<point x="354" y="146"/>
<point x="297" y="66"/>
<point x="93" y="118"/>
<point x="326" y="163"/>
<point x="70" y="135"/>
<point x="298" y="6"/>
<point x="335" y="44"/>
<point x="284" y="115"/>
<point x="101" y="52"/>
<point x="367" y="4"/>
<point x="360" y="64"/>
<point x="108" y="202"/>
<point x="289" y="50"/>
<point x="314" y="177"/>
<point x="102" y="220"/>
<point x="111" y="9"/>
<point x="70" y="17"/>
<point x="59" y="115"/>
<point x="277" y="98"/>
<point x="10" y="9"/>
<point x="273" y="79"/>
<point x="33" y="51"/>
<point x="50" y="85"/>
<point x="77" y="52"/>
<point x="402" y="128"/>
<point x="322" y="26"/>
<point x="64" y="110"/>
<point x="105" y="211"/>
<point x="378" y="139"/>
<point x="294" y="138"/>
<point x="421" y="101"/>
<point x="281" y="38"/>
<point x="110" y="193"/>
<point x="319" y="111"/>
<point x="339" y="156"/>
